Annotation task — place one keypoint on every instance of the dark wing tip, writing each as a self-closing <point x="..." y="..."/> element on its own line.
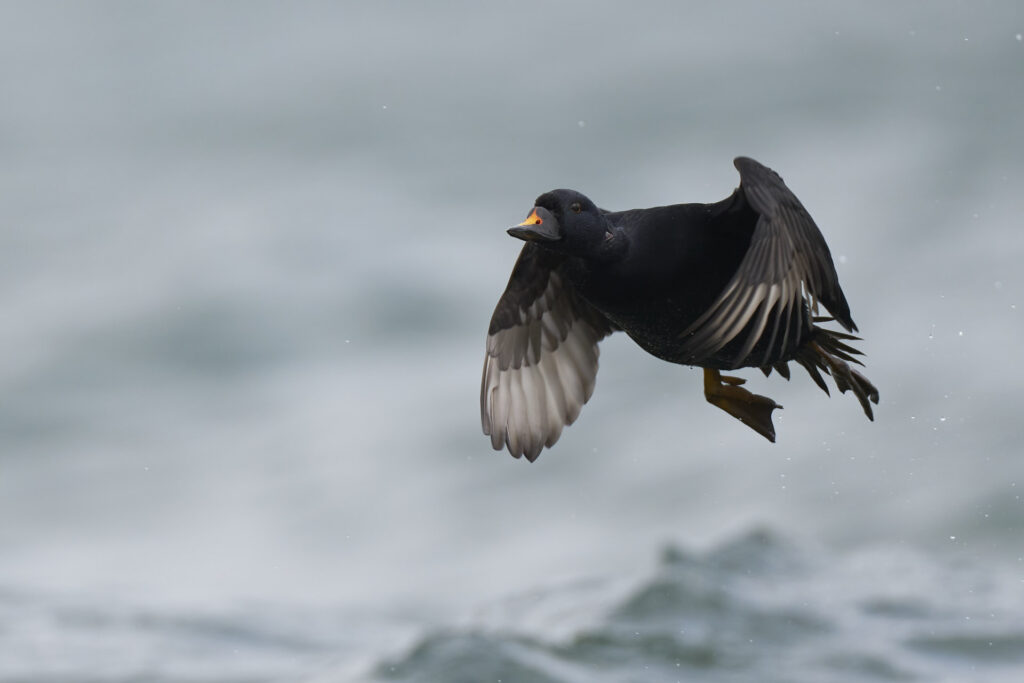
<point x="742" y="162"/>
<point x="747" y="166"/>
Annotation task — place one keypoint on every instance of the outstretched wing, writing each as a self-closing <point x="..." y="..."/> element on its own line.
<point x="541" y="361"/>
<point x="787" y="266"/>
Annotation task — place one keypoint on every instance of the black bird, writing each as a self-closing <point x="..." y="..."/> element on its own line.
<point x="721" y="286"/>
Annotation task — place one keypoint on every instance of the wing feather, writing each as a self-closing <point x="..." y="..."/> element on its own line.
<point x="787" y="266"/>
<point x="541" y="362"/>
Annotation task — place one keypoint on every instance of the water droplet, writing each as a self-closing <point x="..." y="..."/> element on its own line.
<point x="1019" y="38"/>
<point x="581" y="124"/>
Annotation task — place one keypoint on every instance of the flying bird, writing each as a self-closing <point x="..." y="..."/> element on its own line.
<point x="721" y="286"/>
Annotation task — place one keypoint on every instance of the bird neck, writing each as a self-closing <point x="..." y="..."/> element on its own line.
<point x="592" y="271"/>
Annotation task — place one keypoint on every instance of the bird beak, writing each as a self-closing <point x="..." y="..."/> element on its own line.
<point x="540" y="226"/>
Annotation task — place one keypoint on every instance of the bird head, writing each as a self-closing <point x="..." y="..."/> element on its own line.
<point x="564" y="221"/>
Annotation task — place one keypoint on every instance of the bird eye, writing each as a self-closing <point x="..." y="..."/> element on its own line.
<point x="576" y="207"/>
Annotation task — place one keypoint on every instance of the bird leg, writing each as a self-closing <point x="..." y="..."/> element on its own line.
<point x="753" y="410"/>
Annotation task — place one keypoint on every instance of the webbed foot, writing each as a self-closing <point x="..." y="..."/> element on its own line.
<point x="753" y="410"/>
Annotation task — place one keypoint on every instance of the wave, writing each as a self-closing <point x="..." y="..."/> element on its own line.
<point x="756" y="608"/>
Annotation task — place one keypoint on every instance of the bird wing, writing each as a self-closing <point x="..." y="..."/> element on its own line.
<point x="787" y="266"/>
<point x="541" y="362"/>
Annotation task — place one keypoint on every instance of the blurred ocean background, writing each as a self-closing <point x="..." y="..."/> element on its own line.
<point x="248" y="254"/>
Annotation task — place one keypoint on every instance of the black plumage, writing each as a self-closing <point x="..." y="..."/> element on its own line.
<point x="737" y="283"/>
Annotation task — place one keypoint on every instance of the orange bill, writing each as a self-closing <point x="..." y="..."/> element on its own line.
<point x="533" y="219"/>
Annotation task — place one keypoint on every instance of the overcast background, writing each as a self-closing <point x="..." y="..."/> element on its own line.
<point x="248" y="254"/>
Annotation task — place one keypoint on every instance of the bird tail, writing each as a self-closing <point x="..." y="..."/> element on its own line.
<point x="828" y="350"/>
